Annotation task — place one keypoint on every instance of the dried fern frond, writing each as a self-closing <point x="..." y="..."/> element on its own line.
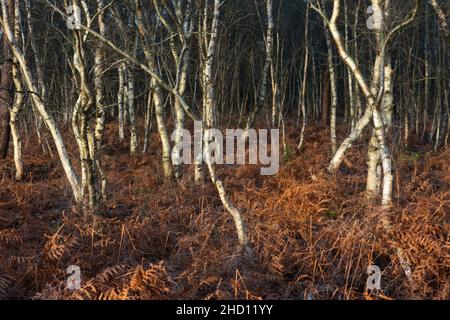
<point x="5" y="285"/>
<point x="111" y="272"/>
<point x="87" y="292"/>
<point x="57" y="249"/>
<point x="151" y="283"/>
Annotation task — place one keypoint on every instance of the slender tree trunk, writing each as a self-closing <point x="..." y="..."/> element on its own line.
<point x="442" y="18"/>
<point x="17" y="141"/>
<point x="155" y="84"/>
<point x="211" y="109"/>
<point x="181" y="56"/>
<point x="262" y="90"/>
<point x="179" y="112"/>
<point x="162" y="129"/>
<point x="148" y="120"/>
<point x="351" y="97"/>
<point x="6" y="86"/>
<point x="131" y="111"/>
<point x="99" y="67"/>
<point x="17" y="106"/>
<point x="426" y="103"/>
<point x="302" y="101"/>
<point x="81" y="122"/>
<point x="358" y="102"/>
<point x="333" y="86"/>
<point x="121" y="101"/>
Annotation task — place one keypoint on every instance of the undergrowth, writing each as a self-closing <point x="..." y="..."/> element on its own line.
<point x="314" y="235"/>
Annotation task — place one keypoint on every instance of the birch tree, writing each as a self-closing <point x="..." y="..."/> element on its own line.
<point x="302" y="99"/>
<point x="99" y="69"/>
<point x="209" y="123"/>
<point x="17" y="104"/>
<point x="40" y="105"/>
<point x="156" y="90"/>
<point x="82" y="115"/>
<point x="374" y="95"/>
<point x="333" y="86"/>
<point x="268" y="64"/>
<point x="179" y="29"/>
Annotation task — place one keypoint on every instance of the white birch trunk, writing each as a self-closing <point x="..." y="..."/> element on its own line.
<point x="17" y="104"/>
<point x="131" y="112"/>
<point x="333" y="92"/>
<point x="211" y="108"/>
<point x="161" y="123"/>
<point x="82" y="127"/>
<point x="303" y="90"/>
<point x="442" y="18"/>
<point x="99" y="61"/>
<point x="120" y="101"/>
<point x="155" y="84"/>
<point x="148" y="121"/>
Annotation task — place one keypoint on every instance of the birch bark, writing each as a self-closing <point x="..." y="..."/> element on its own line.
<point x="17" y="105"/>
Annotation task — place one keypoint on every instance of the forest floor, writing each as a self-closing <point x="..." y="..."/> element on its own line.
<point x="314" y="235"/>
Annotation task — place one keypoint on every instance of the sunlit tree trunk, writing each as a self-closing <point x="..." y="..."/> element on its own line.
<point x="17" y="105"/>
<point x="148" y="121"/>
<point x="181" y="52"/>
<point x="442" y="18"/>
<point x="333" y="86"/>
<point x="160" y="121"/>
<point x="157" y="95"/>
<point x="82" y="116"/>
<point x="131" y="111"/>
<point x="99" y="68"/>
<point x="210" y="123"/>
<point x="121" y="101"/>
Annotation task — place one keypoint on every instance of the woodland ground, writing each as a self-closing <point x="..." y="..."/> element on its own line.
<point x="314" y="235"/>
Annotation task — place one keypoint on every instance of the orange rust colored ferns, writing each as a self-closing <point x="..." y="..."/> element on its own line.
<point x="314" y="235"/>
